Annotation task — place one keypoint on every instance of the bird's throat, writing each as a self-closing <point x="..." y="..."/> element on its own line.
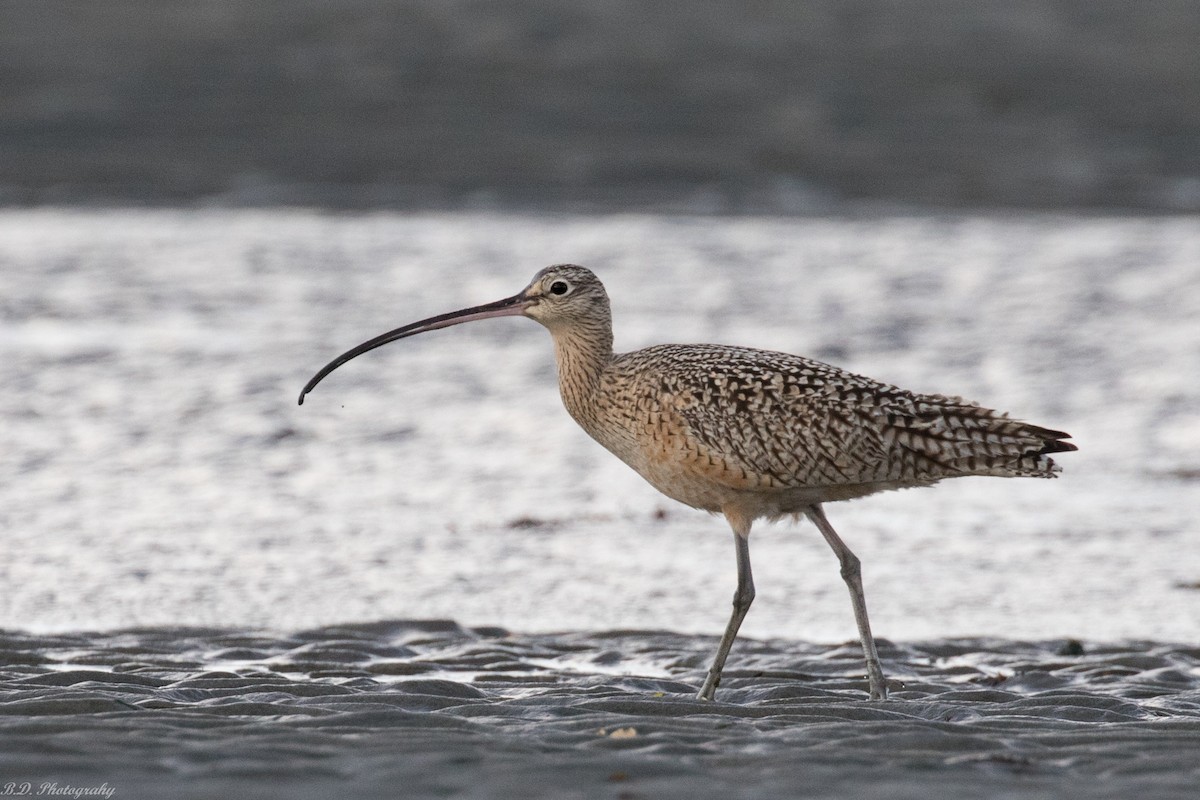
<point x="582" y="357"/>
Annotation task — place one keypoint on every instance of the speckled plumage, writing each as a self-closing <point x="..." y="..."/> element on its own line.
<point x="753" y="433"/>
<point x="709" y="425"/>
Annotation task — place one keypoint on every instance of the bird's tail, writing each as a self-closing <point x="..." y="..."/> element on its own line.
<point x="1036" y="461"/>
<point x="1014" y="449"/>
<point x="968" y="439"/>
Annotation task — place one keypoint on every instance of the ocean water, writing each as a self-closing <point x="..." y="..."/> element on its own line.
<point x="156" y="470"/>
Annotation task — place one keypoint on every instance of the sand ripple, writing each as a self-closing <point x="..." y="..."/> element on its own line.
<point x="420" y="708"/>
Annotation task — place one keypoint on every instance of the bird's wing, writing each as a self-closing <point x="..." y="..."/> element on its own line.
<point x="788" y="422"/>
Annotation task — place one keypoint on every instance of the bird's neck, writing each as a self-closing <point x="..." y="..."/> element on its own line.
<point x="583" y="353"/>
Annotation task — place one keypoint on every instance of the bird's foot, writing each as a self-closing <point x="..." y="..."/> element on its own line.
<point x="880" y="687"/>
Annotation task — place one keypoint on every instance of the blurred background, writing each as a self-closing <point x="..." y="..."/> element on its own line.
<point x="707" y="106"/>
<point x="205" y="201"/>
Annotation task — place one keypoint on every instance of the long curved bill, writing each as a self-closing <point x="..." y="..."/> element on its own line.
<point x="508" y="307"/>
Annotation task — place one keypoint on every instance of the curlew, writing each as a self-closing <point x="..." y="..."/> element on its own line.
<point x="753" y="434"/>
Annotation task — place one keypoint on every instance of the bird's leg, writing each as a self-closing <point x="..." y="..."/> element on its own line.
<point x="742" y="599"/>
<point x="852" y="574"/>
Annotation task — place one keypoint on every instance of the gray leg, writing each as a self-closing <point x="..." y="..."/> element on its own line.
<point x="742" y="599"/>
<point x="852" y="574"/>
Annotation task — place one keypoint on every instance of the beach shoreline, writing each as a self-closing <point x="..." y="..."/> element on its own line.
<point x="430" y="708"/>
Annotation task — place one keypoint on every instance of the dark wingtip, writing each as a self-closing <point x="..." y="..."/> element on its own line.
<point x="1053" y="441"/>
<point x="300" y="402"/>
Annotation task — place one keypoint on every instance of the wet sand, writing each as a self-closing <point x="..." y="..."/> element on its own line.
<point x="431" y="708"/>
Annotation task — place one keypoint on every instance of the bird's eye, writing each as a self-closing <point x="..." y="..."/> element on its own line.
<point x="559" y="287"/>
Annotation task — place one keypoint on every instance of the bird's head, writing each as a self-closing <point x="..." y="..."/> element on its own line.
<point x="564" y="296"/>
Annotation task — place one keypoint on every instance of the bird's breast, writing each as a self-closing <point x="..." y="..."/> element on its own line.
<point x="648" y="432"/>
